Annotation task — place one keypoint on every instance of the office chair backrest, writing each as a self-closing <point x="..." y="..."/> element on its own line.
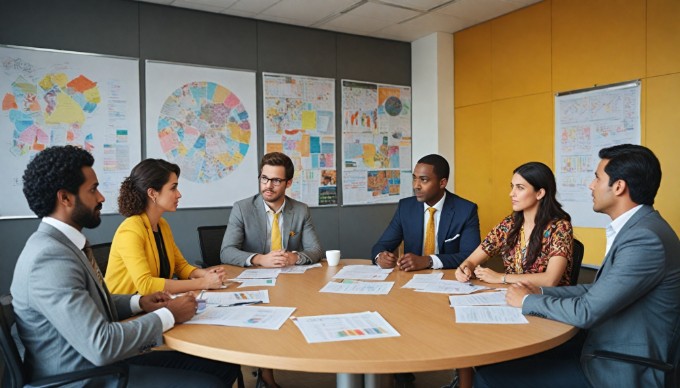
<point x="101" y="254"/>
<point x="210" y="239"/>
<point x="14" y="368"/>
<point x="577" y="258"/>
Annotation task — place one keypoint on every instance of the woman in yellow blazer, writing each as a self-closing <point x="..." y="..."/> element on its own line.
<point x="144" y="255"/>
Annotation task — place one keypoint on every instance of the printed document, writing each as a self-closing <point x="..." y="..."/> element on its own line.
<point x="344" y="327"/>
<point x="257" y="282"/>
<point x="259" y="273"/>
<point x="227" y="298"/>
<point x="421" y="280"/>
<point x="358" y="288"/>
<point x="299" y="269"/>
<point x="256" y="317"/>
<point x="363" y="272"/>
<point x="481" y="299"/>
<point x="451" y="287"/>
<point x="489" y="314"/>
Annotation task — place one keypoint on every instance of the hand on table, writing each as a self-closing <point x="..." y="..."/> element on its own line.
<point x="154" y="301"/>
<point x="410" y="262"/>
<point x="487" y="275"/>
<point x="386" y="260"/>
<point x="213" y="278"/>
<point x="516" y="292"/>
<point x="464" y="272"/>
<point x="272" y="259"/>
<point x="183" y="307"/>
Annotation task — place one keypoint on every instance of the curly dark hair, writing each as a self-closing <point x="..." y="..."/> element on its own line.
<point x="51" y="170"/>
<point x="148" y="174"/>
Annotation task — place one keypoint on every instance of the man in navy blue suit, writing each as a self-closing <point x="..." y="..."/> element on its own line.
<point x="439" y="238"/>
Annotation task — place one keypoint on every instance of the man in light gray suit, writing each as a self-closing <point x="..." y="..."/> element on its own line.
<point x="66" y="317"/>
<point x="633" y="307"/>
<point x="271" y="229"/>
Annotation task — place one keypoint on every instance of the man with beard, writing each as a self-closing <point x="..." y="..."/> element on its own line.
<point x="271" y="229"/>
<point x="66" y="317"/>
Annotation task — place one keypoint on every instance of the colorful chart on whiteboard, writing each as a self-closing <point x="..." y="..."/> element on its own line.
<point x="299" y="120"/>
<point x="57" y="98"/>
<point x="376" y="143"/>
<point x="203" y="119"/>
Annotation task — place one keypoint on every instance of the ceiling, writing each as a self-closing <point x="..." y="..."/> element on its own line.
<point x="403" y="20"/>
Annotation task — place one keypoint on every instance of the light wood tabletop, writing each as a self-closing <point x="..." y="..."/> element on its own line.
<point x="430" y="338"/>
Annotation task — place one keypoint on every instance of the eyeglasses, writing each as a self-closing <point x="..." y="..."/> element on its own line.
<point x="275" y="181"/>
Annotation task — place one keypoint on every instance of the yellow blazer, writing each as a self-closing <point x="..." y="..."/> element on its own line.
<point x="134" y="265"/>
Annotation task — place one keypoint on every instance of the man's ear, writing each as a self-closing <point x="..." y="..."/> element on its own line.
<point x="619" y="187"/>
<point x="443" y="182"/>
<point x="65" y="198"/>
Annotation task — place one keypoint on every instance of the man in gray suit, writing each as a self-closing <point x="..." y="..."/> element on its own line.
<point x="633" y="307"/>
<point x="66" y="317"/>
<point x="271" y="229"/>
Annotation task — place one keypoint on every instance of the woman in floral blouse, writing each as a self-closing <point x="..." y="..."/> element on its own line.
<point x="535" y="241"/>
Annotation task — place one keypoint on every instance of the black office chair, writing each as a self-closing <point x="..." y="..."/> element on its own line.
<point x="101" y="254"/>
<point x="15" y="373"/>
<point x="577" y="259"/>
<point x="210" y="239"/>
<point x="670" y="367"/>
<point x="588" y="273"/>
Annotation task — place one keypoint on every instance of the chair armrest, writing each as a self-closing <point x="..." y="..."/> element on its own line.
<point x="62" y="379"/>
<point x="630" y="359"/>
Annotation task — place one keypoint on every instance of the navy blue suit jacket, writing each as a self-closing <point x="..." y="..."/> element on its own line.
<point x="459" y="217"/>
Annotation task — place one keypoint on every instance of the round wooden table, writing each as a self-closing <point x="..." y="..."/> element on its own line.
<point x="430" y="338"/>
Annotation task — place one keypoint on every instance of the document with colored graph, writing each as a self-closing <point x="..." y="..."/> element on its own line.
<point x="344" y="327"/>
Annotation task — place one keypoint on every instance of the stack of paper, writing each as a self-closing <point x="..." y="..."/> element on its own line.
<point x="451" y="287"/>
<point x="299" y="269"/>
<point x="489" y="314"/>
<point x="227" y="298"/>
<point x="481" y="299"/>
<point x="256" y="317"/>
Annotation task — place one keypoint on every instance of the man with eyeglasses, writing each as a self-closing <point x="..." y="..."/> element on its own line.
<point x="271" y="229"/>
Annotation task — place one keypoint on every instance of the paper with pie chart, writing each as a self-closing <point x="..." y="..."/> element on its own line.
<point x="204" y="120"/>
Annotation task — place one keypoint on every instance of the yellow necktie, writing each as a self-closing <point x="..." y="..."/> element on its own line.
<point x="93" y="262"/>
<point x="276" y="233"/>
<point x="429" y="234"/>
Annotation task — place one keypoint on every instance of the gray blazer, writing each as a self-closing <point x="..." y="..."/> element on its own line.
<point x="247" y="232"/>
<point x="633" y="307"/>
<point x="66" y="321"/>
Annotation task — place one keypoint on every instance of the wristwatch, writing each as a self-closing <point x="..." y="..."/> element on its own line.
<point x="431" y="263"/>
<point x="300" y="260"/>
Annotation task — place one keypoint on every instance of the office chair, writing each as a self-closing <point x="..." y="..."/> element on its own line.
<point x="15" y="373"/>
<point x="101" y="254"/>
<point x="210" y="239"/>
<point x="577" y="259"/>
<point x="670" y="368"/>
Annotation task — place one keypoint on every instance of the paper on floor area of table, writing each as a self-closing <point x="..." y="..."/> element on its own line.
<point x="256" y="282"/>
<point x="225" y="298"/>
<point x="344" y="327"/>
<point x="451" y="287"/>
<point x="421" y="280"/>
<point x="363" y="272"/>
<point x="489" y="314"/>
<point x="259" y="273"/>
<point x="358" y="288"/>
<point x="299" y="269"/>
<point x="256" y="317"/>
<point x="482" y="299"/>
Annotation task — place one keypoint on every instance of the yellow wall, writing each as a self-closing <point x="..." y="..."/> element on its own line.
<point x="507" y="71"/>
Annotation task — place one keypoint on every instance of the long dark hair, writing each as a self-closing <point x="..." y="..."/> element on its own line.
<point x="149" y="173"/>
<point x="539" y="177"/>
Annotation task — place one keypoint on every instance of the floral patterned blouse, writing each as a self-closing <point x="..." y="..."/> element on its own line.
<point x="558" y="240"/>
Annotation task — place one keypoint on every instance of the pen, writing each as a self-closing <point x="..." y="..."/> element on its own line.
<point x="244" y="303"/>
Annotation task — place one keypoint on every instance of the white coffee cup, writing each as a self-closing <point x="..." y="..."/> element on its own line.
<point x="333" y="258"/>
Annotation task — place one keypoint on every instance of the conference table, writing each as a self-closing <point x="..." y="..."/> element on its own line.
<point x="430" y="339"/>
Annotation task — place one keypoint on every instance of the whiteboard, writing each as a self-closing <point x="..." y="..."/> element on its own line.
<point x="204" y="119"/>
<point x="585" y="122"/>
<point x="52" y="97"/>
